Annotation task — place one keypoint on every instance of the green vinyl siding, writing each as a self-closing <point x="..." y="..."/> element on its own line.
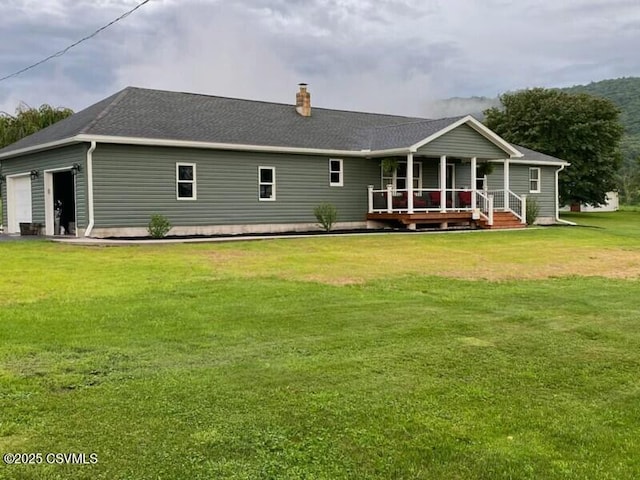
<point x="519" y="184"/>
<point x="133" y="182"/>
<point x="431" y="173"/>
<point x="49" y="160"/>
<point x="465" y="142"/>
<point x="463" y="174"/>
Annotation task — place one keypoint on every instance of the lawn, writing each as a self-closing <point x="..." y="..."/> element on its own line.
<point x="490" y="355"/>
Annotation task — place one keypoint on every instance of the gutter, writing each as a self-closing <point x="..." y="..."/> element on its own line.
<point x="558" y="219"/>
<point x="156" y="142"/>
<point x="93" y="146"/>
<point x="40" y="147"/>
<point x="159" y="142"/>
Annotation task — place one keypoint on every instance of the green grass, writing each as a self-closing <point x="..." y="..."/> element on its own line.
<point x="508" y="355"/>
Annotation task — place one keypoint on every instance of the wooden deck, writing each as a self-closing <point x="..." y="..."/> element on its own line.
<point x="411" y="220"/>
<point x="445" y="220"/>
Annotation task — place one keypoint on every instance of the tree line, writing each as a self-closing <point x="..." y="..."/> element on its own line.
<point x="28" y="120"/>
<point x="580" y="128"/>
<point x="625" y="94"/>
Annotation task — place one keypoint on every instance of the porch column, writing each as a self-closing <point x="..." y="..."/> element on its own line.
<point x="506" y="184"/>
<point x="410" y="182"/>
<point x="443" y="183"/>
<point x="474" y="181"/>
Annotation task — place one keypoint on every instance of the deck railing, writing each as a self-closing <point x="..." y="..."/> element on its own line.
<point x="510" y="202"/>
<point x="485" y="205"/>
<point x="518" y="206"/>
<point x="390" y="200"/>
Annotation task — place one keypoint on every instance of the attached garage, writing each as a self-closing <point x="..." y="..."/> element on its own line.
<point x="18" y="202"/>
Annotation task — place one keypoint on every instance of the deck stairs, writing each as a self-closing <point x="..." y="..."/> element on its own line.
<point x="502" y="220"/>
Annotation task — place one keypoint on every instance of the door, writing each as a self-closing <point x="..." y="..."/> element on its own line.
<point x="450" y="185"/>
<point x="18" y="202"/>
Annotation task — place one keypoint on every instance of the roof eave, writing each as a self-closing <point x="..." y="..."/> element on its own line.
<point x="39" y="148"/>
<point x="242" y="147"/>
<point x="551" y="163"/>
<point x="159" y="142"/>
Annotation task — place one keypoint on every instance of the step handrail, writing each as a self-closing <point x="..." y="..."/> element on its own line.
<point x="485" y="206"/>
<point x="520" y="204"/>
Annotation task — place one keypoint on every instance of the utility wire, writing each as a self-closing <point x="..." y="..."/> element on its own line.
<point x="62" y="52"/>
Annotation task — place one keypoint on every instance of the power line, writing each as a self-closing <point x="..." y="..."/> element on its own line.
<point x="62" y="52"/>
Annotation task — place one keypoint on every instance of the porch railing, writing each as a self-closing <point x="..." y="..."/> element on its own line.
<point x="390" y="200"/>
<point x="485" y="205"/>
<point x="515" y="204"/>
<point x="498" y="198"/>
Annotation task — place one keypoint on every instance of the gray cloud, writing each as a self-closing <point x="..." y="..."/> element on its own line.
<point x="394" y="56"/>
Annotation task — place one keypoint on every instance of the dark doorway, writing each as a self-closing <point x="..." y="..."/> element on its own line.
<point x="64" y="203"/>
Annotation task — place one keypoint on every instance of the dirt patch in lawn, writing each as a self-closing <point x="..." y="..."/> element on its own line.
<point x="608" y="263"/>
<point x="348" y="267"/>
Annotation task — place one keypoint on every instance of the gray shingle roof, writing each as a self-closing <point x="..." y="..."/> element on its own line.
<point x="143" y="113"/>
<point x="163" y="115"/>
<point x="536" y="156"/>
<point x="69" y="127"/>
<point x="406" y="134"/>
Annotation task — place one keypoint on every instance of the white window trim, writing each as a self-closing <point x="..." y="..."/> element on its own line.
<point x="273" y="184"/>
<point x="394" y="176"/>
<point x="193" y="182"/>
<point x="538" y="180"/>
<point x="340" y="183"/>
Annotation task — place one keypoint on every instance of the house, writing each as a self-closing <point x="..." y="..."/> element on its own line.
<point x="611" y="204"/>
<point x="215" y="165"/>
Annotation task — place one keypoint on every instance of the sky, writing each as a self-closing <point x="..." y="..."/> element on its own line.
<point x="387" y="56"/>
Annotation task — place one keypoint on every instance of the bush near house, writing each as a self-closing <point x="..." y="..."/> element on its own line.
<point x="533" y="210"/>
<point x="327" y="215"/>
<point x="158" y="226"/>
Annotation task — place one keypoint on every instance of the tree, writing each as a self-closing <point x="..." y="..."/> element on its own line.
<point x="579" y="128"/>
<point x="28" y="120"/>
<point x="628" y="180"/>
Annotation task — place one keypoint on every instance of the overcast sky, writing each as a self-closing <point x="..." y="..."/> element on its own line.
<point x="392" y="56"/>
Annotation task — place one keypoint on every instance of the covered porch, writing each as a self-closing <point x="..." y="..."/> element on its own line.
<point x="470" y="201"/>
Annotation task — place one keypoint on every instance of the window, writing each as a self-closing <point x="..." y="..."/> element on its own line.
<point x="534" y="180"/>
<point x="185" y="181"/>
<point x="267" y="183"/>
<point x="399" y="177"/>
<point x="335" y="172"/>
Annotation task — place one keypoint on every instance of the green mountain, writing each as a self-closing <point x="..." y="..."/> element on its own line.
<point x="625" y="93"/>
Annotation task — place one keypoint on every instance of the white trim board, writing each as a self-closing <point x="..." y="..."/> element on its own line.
<point x="83" y="138"/>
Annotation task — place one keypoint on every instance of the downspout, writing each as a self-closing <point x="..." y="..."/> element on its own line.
<point x="87" y="232"/>
<point x="558" y="219"/>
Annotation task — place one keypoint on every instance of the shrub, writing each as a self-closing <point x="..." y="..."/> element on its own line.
<point x="159" y="226"/>
<point x="533" y="209"/>
<point x="326" y="214"/>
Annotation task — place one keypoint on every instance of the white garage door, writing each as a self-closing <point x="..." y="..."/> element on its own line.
<point x="18" y="202"/>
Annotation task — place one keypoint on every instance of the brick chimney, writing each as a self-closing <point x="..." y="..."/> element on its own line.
<point x="303" y="101"/>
